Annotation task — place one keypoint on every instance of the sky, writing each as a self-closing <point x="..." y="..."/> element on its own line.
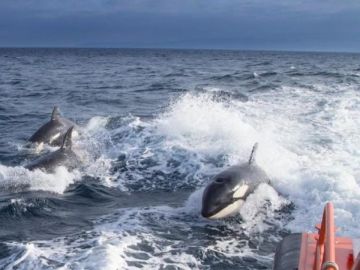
<point x="299" y="25"/>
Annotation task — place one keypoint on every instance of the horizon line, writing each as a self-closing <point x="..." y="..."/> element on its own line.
<point x="181" y="49"/>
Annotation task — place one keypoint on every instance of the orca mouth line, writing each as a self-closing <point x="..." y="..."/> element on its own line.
<point x="208" y="214"/>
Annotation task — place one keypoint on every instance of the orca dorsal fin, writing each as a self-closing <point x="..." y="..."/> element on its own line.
<point x="253" y="154"/>
<point x="67" y="142"/>
<point x="55" y="113"/>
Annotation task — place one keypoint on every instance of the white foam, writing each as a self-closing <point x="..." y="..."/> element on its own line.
<point x="202" y="125"/>
<point x="210" y="128"/>
<point x="96" y="123"/>
<point x="309" y="143"/>
<point x="212" y="89"/>
<point x="21" y="178"/>
<point x="116" y="243"/>
<point x="193" y="203"/>
<point x="26" y="256"/>
<point x="320" y="128"/>
<point x="263" y="198"/>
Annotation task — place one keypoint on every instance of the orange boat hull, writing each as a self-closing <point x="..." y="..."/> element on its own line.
<point x="317" y="251"/>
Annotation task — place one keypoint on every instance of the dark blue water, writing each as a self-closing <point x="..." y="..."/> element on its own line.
<point x="157" y="125"/>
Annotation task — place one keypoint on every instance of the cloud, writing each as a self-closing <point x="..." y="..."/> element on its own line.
<point x="204" y="7"/>
<point x="243" y="24"/>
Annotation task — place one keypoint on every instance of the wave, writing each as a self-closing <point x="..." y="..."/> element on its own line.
<point x="234" y="77"/>
<point x="307" y="145"/>
<point x="135" y="237"/>
<point x="198" y="135"/>
<point x="307" y="149"/>
<point x="20" y="207"/>
<point x="19" y="179"/>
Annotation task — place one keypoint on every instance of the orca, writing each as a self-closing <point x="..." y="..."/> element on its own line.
<point x="52" y="132"/>
<point x="64" y="156"/>
<point x="228" y="190"/>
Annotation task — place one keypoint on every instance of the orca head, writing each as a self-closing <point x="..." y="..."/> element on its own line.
<point x="224" y="196"/>
<point x="53" y="131"/>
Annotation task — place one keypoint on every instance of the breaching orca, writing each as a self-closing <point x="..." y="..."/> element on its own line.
<point x="52" y="132"/>
<point x="225" y="195"/>
<point x="64" y="156"/>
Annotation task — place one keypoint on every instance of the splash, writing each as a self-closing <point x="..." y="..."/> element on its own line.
<point x="19" y="178"/>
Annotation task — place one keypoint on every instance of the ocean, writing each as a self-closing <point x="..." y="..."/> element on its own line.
<point x="157" y="125"/>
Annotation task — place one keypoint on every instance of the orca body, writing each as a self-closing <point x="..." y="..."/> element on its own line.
<point x="64" y="156"/>
<point x="52" y="132"/>
<point x="227" y="192"/>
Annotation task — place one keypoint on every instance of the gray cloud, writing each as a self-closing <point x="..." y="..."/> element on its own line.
<point x="293" y="25"/>
<point x="57" y="7"/>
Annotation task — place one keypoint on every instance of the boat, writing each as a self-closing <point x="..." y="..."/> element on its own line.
<point x="321" y="250"/>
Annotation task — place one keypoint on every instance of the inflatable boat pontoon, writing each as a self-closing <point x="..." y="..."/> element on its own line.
<point x="318" y="251"/>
